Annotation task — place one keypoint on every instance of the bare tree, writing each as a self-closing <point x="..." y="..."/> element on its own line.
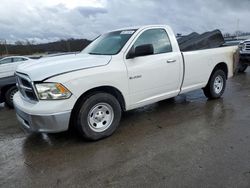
<point x="19" y="43"/>
<point x="4" y="43"/>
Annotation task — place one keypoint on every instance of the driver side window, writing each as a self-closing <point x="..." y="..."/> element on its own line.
<point x="158" y="38"/>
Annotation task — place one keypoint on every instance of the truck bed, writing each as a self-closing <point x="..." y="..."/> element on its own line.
<point x="196" y="69"/>
<point x="195" y="41"/>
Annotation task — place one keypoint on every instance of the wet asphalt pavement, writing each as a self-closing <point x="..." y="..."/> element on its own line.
<point x="183" y="142"/>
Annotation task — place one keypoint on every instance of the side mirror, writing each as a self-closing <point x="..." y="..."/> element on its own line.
<point x="143" y="50"/>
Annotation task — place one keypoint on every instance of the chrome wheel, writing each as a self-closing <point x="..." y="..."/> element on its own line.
<point x="218" y="84"/>
<point x="100" y="117"/>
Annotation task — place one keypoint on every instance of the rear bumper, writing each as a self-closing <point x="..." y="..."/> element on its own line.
<point x="7" y="81"/>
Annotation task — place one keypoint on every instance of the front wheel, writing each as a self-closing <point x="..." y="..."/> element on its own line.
<point x="216" y="85"/>
<point x="98" y="116"/>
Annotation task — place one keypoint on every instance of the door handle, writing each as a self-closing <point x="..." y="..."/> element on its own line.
<point x="171" y="61"/>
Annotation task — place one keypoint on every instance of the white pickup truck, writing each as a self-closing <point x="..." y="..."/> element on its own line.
<point x="119" y="71"/>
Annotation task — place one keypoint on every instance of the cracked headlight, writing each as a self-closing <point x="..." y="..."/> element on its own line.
<point x="52" y="91"/>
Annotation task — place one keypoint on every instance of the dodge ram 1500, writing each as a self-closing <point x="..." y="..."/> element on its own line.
<point x="119" y="71"/>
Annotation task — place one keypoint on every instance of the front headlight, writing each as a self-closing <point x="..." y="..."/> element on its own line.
<point x="52" y="91"/>
<point x="242" y="46"/>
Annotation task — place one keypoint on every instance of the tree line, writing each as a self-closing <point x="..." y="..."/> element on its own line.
<point x="237" y="33"/>
<point x="29" y="47"/>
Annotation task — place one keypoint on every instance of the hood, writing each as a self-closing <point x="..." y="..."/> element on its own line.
<point x="52" y="66"/>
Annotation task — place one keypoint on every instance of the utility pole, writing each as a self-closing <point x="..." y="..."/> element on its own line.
<point x="238" y="26"/>
<point x="3" y="43"/>
<point x="6" y="47"/>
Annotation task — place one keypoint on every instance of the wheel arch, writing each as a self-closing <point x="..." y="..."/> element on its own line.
<point x="107" y="89"/>
<point x="221" y="66"/>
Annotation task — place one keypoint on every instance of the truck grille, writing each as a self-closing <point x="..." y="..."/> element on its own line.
<point x="25" y="87"/>
<point x="247" y="47"/>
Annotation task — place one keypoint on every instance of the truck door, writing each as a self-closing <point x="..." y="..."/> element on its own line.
<point x="157" y="76"/>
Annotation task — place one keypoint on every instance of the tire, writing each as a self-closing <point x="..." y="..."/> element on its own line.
<point x="98" y="116"/>
<point x="216" y="85"/>
<point x="9" y="96"/>
<point x="242" y="68"/>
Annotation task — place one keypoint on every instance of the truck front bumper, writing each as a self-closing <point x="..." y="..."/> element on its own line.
<point x="245" y="57"/>
<point x="42" y="123"/>
<point x="53" y="123"/>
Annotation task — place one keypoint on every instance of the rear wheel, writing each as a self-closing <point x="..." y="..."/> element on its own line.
<point x="216" y="85"/>
<point x="98" y="116"/>
<point x="9" y="96"/>
<point x="242" y="67"/>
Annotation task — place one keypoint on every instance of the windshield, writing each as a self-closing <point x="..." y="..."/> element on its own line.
<point x="110" y="43"/>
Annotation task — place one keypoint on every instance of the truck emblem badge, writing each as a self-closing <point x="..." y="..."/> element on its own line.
<point x="135" y="77"/>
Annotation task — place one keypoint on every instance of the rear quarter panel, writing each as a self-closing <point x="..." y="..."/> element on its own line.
<point x="200" y="64"/>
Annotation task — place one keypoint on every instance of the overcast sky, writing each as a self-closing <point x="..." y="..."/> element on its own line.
<point x="49" y="20"/>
